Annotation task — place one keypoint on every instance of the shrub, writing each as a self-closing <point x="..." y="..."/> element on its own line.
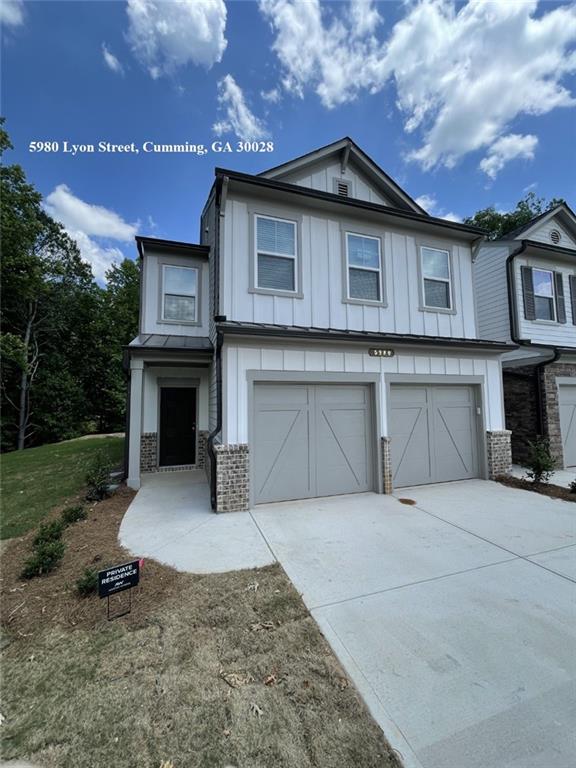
<point x="87" y="584"/>
<point x="98" y="476"/>
<point x="47" y="532"/>
<point x="45" y="558"/>
<point x="540" y="464"/>
<point x="73" y="515"/>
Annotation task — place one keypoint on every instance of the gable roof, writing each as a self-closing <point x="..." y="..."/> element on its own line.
<point x="345" y="150"/>
<point x="565" y="214"/>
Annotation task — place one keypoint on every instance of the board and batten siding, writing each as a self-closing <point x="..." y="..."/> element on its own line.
<point x="239" y="359"/>
<point x="545" y="331"/>
<point x="321" y="177"/>
<point x="491" y="286"/>
<point x="322" y="304"/>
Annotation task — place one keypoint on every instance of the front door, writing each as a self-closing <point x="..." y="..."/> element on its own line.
<point x="177" y="426"/>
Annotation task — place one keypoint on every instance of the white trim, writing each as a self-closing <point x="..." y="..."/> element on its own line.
<point x="163" y="317"/>
<point x="363" y="299"/>
<point x="447" y="280"/>
<point x="258" y="251"/>
<point x="552" y="298"/>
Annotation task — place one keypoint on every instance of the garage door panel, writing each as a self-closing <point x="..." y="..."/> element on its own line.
<point x="410" y="451"/>
<point x="567" y="403"/>
<point x="455" y="444"/>
<point x="343" y="464"/>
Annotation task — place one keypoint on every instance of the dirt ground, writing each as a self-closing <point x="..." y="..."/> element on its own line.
<point x="217" y="671"/>
<point x="546" y="489"/>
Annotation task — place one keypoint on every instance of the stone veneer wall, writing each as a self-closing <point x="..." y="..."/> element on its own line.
<point x="499" y="450"/>
<point x="149" y="452"/>
<point x="386" y="465"/>
<point x="232" y="477"/>
<point x="551" y="407"/>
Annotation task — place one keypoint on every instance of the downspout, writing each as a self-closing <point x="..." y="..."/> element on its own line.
<point x="513" y="312"/>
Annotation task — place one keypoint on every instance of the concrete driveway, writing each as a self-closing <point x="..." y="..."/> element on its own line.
<point x="455" y="617"/>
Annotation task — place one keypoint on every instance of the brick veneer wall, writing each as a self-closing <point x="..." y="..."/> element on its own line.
<point x="232" y="477"/>
<point x="499" y="449"/>
<point x="551" y="406"/>
<point x="149" y="452"/>
<point x="521" y="409"/>
<point x="201" y="457"/>
<point x="386" y="465"/>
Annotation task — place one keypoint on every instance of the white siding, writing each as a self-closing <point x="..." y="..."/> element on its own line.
<point x="320" y="177"/>
<point x="150" y="419"/>
<point x="541" y="331"/>
<point x="542" y="234"/>
<point x="322" y="277"/>
<point x="239" y="359"/>
<point x="491" y="287"/>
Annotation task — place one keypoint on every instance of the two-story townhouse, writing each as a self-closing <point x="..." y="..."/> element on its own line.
<point x="526" y="293"/>
<point x="321" y="340"/>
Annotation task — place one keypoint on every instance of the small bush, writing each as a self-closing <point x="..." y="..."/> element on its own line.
<point x="45" y="558"/>
<point x="87" y="584"/>
<point x="72" y="515"/>
<point x="540" y="464"/>
<point x="47" y="532"/>
<point x="98" y="476"/>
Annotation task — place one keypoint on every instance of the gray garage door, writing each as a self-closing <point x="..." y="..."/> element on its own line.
<point x="568" y="422"/>
<point x="434" y="434"/>
<point x="311" y="440"/>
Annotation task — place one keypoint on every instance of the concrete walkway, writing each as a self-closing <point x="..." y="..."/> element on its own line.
<point x="455" y="616"/>
<point x="562" y="477"/>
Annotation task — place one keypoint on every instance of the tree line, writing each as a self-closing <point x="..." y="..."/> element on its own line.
<point x="62" y="334"/>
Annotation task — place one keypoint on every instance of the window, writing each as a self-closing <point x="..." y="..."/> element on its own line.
<point x="179" y="294"/>
<point x="275" y="254"/>
<point x="436" y="278"/>
<point x="543" y="282"/>
<point x="364" y="267"/>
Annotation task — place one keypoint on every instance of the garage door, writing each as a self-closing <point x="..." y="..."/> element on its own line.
<point x="568" y="422"/>
<point x="434" y="435"/>
<point x="311" y="440"/>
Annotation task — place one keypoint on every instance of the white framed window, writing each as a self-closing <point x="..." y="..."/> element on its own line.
<point x="363" y="267"/>
<point x="544" y="294"/>
<point x="179" y="294"/>
<point x="275" y="254"/>
<point x="436" y="278"/>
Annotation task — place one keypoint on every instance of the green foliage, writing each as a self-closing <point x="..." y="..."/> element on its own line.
<point x="51" y="531"/>
<point x="45" y="558"/>
<point x="87" y="584"/>
<point x="72" y="515"/>
<point x="498" y="224"/>
<point x="98" y="476"/>
<point x="540" y="463"/>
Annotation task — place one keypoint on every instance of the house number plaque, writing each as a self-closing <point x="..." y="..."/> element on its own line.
<point x="380" y="352"/>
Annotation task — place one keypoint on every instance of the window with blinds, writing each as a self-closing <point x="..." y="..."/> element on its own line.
<point x="364" y="265"/>
<point x="436" y="278"/>
<point x="275" y="254"/>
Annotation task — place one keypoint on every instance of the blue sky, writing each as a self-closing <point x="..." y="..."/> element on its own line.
<point x="466" y="105"/>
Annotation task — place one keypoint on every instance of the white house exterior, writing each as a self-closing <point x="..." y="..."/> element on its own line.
<point x="323" y="339"/>
<point x="526" y="293"/>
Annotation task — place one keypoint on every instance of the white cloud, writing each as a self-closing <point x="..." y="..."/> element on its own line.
<point x="508" y="148"/>
<point x="12" y="12"/>
<point x="84" y="222"/>
<point x="273" y="96"/>
<point x="111" y="61"/>
<point x="462" y="73"/>
<point x="167" y="35"/>
<point x="238" y="118"/>
<point x="431" y="206"/>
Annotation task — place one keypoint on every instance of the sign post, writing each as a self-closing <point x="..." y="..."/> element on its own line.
<point x="117" y="579"/>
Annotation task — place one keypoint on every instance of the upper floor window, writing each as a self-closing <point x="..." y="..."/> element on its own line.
<point x="275" y="254"/>
<point x="543" y="282"/>
<point x="436" y="277"/>
<point x="364" y="267"/>
<point x="179" y="294"/>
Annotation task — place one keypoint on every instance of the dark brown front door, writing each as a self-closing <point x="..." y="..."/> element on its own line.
<point x="177" y="426"/>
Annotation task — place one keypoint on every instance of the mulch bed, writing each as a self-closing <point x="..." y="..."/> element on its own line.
<point x="545" y="489"/>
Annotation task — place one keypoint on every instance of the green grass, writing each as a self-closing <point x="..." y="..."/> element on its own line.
<point x="36" y="480"/>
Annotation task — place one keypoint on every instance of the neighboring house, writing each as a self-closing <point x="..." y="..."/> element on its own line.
<point x="526" y="293"/>
<point x="321" y="340"/>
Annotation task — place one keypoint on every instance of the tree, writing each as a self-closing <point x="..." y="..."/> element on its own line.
<point x="498" y="224"/>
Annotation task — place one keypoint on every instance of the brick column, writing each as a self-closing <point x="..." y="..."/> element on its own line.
<point x="232" y="477"/>
<point x="552" y="408"/>
<point x="386" y="465"/>
<point x="148" y="452"/>
<point x="499" y="449"/>
<point x="201" y="458"/>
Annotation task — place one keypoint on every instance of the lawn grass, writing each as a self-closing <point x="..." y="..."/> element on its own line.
<point x="37" y="479"/>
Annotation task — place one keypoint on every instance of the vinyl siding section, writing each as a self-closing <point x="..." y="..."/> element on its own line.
<point x="208" y="237"/>
<point x="321" y="177"/>
<point x="542" y="234"/>
<point x="491" y="288"/>
<point x="239" y="359"/>
<point x="322" y="304"/>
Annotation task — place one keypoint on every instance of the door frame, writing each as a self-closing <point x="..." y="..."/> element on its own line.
<point x="372" y="380"/>
<point x="478" y="383"/>
<point x="176" y="383"/>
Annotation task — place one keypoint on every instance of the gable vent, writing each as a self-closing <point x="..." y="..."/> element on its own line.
<point x="555" y="236"/>
<point x="343" y="188"/>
